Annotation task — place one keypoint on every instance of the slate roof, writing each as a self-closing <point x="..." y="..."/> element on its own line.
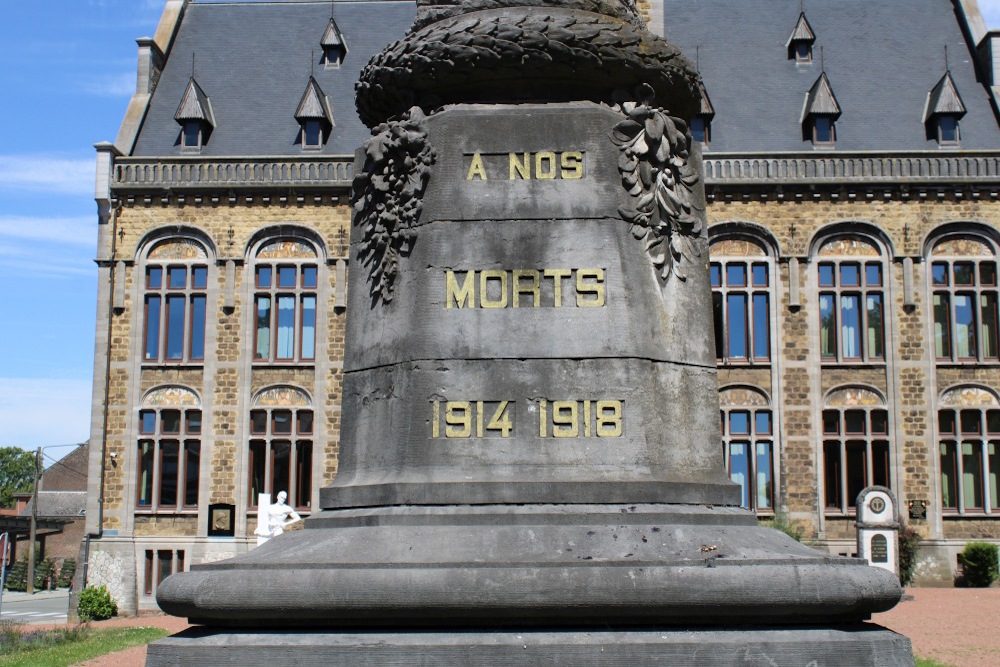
<point x="882" y="58"/>
<point x="253" y="61"/>
<point x="59" y="504"/>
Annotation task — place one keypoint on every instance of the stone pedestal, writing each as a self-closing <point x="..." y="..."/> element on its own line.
<point x="530" y="466"/>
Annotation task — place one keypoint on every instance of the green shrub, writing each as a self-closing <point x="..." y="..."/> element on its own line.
<point x="784" y="524"/>
<point x="43" y="574"/>
<point x="96" y="604"/>
<point x="17" y="576"/>
<point x="909" y="545"/>
<point x="979" y="561"/>
<point x="66" y="573"/>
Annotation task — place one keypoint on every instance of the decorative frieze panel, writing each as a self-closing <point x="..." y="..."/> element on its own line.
<point x="178" y="249"/>
<point x="848" y="246"/>
<point x="282" y="397"/>
<point x="287" y="250"/>
<point x="742" y="396"/>
<point x="962" y="247"/>
<point x="968" y="397"/>
<point x="736" y="248"/>
<point x="171" y="397"/>
<point x="854" y="397"/>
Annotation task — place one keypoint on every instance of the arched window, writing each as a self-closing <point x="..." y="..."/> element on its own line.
<point x="286" y="276"/>
<point x="169" y="451"/>
<point x="742" y="276"/>
<point x="174" y="302"/>
<point x="748" y="445"/>
<point x="969" y="432"/>
<point x="281" y="446"/>
<point x="851" y="274"/>
<point x="964" y="284"/>
<point x="855" y="446"/>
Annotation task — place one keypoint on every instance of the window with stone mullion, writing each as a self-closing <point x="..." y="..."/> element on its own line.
<point x="174" y="306"/>
<point x="741" y="301"/>
<point x="169" y="458"/>
<point x="970" y="460"/>
<point x="965" y="310"/>
<point x="851" y="310"/>
<point x="285" y="312"/>
<point x="855" y="455"/>
<point x="748" y="450"/>
<point x="281" y="452"/>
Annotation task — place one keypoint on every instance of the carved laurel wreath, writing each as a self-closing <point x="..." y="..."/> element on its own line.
<point x="388" y="196"/>
<point x="654" y="166"/>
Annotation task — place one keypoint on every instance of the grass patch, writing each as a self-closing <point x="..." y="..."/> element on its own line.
<point x="927" y="662"/>
<point x="61" y="648"/>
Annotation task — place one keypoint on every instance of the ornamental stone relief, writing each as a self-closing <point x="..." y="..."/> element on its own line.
<point x="966" y="247"/>
<point x="286" y="250"/>
<point x="178" y="249"/>
<point x="742" y="396"/>
<point x="171" y="397"/>
<point x="854" y="396"/>
<point x="282" y="397"/>
<point x="968" y="397"/>
<point x="736" y="248"/>
<point x="851" y="247"/>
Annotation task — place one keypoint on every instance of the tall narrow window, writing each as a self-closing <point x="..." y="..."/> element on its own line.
<point x="748" y="446"/>
<point x="964" y="282"/>
<point x="741" y="297"/>
<point x="851" y="307"/>
<point x="281" y="447"/>
<point x="160" y="564"/>
<point x="855" y="451"/>
<point x="970" y="454"/>
<point x="175" y="303"/>
<point x="286" y="278"/>
<point x="169" y="459"/>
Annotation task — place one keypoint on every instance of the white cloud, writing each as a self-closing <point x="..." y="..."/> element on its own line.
<point x="37" y="412"/>
<point x="111" y="85"/>
<point x="78" y="230"/>
<point x="54" y="175"/>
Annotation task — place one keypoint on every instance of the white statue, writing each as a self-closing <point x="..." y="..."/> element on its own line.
<point x="273" y="519"/>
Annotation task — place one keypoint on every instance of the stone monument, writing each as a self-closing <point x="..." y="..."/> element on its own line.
<point x="878" y="528"/>
<point x="530" y="466"/>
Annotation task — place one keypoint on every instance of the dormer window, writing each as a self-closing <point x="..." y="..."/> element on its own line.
<point x="194" y="115"/>
<point x="943" y="111"/>
<point x="801" y="41"/>
<point x="314" y="116"/>
<point x="820" y="113"/>
<point x="333" y="44"/>
<point x="701" y="124"/>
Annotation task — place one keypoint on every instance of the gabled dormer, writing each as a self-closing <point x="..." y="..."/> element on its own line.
<point x="314" y="116"/>
<point x="333" y="44"/>
<point x="194" y="115"/>
<point x="701" y="124"/>
<point x="943" y="111"/>
<point x="820" y="113"/>
<point x="801" y="41"/>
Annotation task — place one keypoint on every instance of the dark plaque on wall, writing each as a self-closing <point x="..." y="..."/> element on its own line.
<point x="880" y="549"/>
<point x="221" y="521"/>
<point x="918" y="509"/>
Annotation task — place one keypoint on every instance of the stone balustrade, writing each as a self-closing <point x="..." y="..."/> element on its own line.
<point x="173" y="173"/>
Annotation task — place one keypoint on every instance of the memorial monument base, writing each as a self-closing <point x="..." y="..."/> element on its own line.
<point x="859" y="645"/>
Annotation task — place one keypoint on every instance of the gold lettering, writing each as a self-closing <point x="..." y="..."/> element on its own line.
<point x="543" y="419"/>
<point x="584" y="288"/>
<point x="484" y="280"/>
<point x="522" y="168"/>
<point x="572" y="165"/>
<point x="541" y="172"/>
<point x="464" y="296"/>
<point x="436" y="420"/>
<point x="565" y="422"/>
<point x="476" y="168"/>
<point x="557" y="276"/>
<point x="533" y="289"/>
<point x="609" y="425"/>
<point x="458" y="417"/>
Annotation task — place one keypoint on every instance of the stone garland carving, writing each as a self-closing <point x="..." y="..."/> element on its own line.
<point x="655" y="168"/>
<point x="388" y="196"/>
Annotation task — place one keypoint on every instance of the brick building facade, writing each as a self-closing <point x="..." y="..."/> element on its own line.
<point x="848" y="258"/>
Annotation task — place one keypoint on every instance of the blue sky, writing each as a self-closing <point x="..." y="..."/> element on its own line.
<point x="67" y="69"/>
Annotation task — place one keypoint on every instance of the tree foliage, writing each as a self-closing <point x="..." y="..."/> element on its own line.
<point x="17" y="473"/>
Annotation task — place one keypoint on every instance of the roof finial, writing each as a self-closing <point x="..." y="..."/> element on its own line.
<point x="697" y="58"/>
<point x="192" y="64"/>
<point x="802" y="6"/>
<point x="946" y="67"/>
<point x="312" y="63"/>
<point x="822" y="61"/>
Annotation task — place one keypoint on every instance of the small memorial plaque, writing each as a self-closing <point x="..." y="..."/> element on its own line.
<point x="918" y="509"/>
<point x="880" y="549"/>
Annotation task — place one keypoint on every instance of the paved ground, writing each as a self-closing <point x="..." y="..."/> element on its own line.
<point x="47" y="607"/>
<point x="959" y="627"/>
